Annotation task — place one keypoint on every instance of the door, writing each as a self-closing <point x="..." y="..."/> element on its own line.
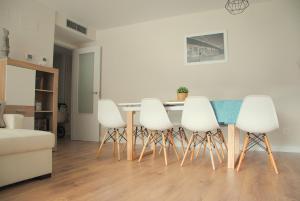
<point x="85" y="94"/>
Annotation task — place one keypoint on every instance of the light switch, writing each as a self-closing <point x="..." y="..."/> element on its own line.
<point x="28" y="56"/>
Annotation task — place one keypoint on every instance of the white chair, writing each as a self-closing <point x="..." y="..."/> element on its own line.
<point x="219" y="138"/>
<point x="110" y="117"/>
<point x="180" y="135"/>
<point x="257" y="117"/>
<point x="154" y="118"/>
<point x="139" y="133"/>
<point x="178" y="131"/>
<point x="198" y="116"/>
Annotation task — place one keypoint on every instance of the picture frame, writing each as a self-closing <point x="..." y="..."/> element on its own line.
<point x="206" y="48"/>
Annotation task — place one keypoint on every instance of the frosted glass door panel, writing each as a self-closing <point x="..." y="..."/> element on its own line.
<point x="86" y="83"/>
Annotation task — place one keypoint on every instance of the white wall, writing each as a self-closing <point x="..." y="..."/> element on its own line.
<point x="31" y="27"/>
<point x="147" y="60"/>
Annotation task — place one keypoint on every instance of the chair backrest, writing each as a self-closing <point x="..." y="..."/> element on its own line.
<point x="257" y="114"/>
<point x="198" y="114"/>
<point x="153" y="115"/>
<point x="109" y="115"/>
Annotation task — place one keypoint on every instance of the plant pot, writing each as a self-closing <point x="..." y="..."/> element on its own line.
<point x="181" y="96"/>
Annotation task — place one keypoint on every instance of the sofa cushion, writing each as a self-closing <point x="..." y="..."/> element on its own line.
<point x="23" y="140"/>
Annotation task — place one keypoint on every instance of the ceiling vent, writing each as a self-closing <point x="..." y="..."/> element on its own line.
<point x="76" y="27"/>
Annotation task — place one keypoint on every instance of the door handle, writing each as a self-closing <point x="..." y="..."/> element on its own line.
<point x="95" y="92"/>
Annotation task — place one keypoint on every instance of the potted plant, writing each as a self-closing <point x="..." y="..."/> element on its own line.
<point x="182" y="93"/>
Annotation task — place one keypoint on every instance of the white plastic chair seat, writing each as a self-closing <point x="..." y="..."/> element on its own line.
<point x="198" y="115"/>
<point x="257" y="115"/>
<point x="153" y="115"/>
<point x="176" y="124"/>
<point x="161" y="127"/>
<point x="109" y="115"/>
<point x="116" y="126"/>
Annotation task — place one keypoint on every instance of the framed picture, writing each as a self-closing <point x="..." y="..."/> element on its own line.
<point x="206" y="48"/>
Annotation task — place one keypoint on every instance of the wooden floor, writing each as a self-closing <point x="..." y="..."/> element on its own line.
<point x="77" y="175"/>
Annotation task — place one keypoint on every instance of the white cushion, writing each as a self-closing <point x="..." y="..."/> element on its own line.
<point x="23" y="140"/>
<point x="13" y="120"/>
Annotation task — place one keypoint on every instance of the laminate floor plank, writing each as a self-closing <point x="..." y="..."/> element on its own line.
<point x="79" y="176"/>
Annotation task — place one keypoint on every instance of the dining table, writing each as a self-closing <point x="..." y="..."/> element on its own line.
<point x="226" y="113"/>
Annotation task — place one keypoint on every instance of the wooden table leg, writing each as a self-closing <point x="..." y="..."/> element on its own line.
<point x="129" y="129"/>
<point x="233" y="145"/>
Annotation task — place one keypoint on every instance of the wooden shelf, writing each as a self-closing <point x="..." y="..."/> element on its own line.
<point x="44" y="90"/>
<point x="44" y="111"/>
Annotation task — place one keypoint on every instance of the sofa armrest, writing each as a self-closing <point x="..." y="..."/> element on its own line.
<point x="13" y="121"/>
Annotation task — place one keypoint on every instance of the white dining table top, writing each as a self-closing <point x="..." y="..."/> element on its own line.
<point x="138" y="103"/>
<point x="169" y="105"/>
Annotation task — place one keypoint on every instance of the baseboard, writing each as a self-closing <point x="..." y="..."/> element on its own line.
<point x="286" y="149"/>
<point x="291" y="149"/>
<point x="45" y="176"/>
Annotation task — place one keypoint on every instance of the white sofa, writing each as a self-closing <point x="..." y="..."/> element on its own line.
<point x="24" y="154"/>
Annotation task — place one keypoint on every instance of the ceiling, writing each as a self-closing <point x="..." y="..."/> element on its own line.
<point x="102" y="14"/>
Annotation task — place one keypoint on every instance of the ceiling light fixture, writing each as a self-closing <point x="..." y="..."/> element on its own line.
<point x="236" y="6"/>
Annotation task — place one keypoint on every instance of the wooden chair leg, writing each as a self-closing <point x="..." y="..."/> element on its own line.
<point x="266" y="140"/>
<point x="220" y="141"/>
<point x="124" y="147"/>
<point x="142" y="135"/>
<point x="224" y="142"/>
<point x="101" y="145"/>
<point x="164" y="147"/>
<point x="118" y="144"/>
<point x="222" y="150"/>
<point x="193" y="152"/>
<point x="135" y="137"/>
<point x="217" y="150"/>
<point x="123" y="135"/>
<point x="184" y="136"/>
<point x="199" y="150"/>
<point x="114" y="137"/>
<point x="187" y="149"/>
<point x="245" y="146"/>
<point x="154" y="150"/>
<point x="154" y="136"/>
<point x="204" y="149"/>
<point x="160" y="150"/>
<point x="181" y="141"/>
<point x="169" y="144"/>
<point x="210" y="151"/>
<point x="171" y="139"/>
<point x="144" y="147"/>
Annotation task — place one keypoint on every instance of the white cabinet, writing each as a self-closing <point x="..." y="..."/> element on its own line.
<point x="20" y="86"/>
<point x="20" y="90"/>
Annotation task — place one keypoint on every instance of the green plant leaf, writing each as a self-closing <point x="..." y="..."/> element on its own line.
<point x="182" y="90"/>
